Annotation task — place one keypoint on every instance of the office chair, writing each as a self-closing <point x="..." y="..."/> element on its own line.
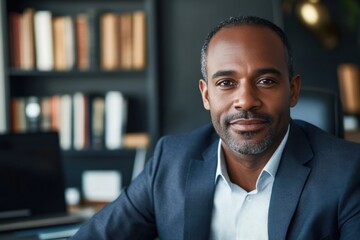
<point x="322" y="108"/>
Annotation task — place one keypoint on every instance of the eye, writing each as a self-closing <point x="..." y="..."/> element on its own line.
<point x="226" y="83"/>
<point x="266" y="82"/>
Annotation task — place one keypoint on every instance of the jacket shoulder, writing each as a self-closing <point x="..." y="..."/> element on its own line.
<point x="197" y="139"/>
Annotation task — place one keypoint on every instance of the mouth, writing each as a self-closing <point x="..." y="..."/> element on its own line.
<point x="248" y="124"/>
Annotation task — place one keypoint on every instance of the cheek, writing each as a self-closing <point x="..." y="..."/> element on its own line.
<point x="219" y="107"/>
<point x="282" y="107"/>
<point x="277" y="103"/>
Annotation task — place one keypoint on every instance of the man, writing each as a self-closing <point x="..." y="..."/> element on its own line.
<point x="254" y="173"/>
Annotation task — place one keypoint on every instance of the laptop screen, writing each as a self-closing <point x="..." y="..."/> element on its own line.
<point x="31" y="175"/>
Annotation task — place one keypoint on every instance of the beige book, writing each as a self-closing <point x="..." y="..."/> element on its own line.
<point x="59" y="43"/>
<point x="27" y="56"/>
<point x="125" y="49"/>
<point x="109" y="41"/>
<point x="139" y="40"/>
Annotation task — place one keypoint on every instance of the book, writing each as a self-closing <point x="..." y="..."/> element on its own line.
<point x="109" y="41"/>
<point x="58" y="25"/>
<point x="139" y="40"/>
<point x="43" y="40"/>
<point x="349" y="85"/>
<point x="27" y="56"/>
<point x="45" y="124"/>
<point x="80" y="138"/>
<point x="125" y="48"/>
<point x="69" y="42"/>
<point x="18" y="118"/>
<point x="97" y="115"/>
<point x="136" y="140"/>
<point x="82" y="41"/>
<point x="14" y="39"/>
<point x="115" y="119"/>
<point x="55" y="112"/>
<point x="65" y="131"/>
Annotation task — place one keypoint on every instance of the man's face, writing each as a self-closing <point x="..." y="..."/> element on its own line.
<point x="248" y="92"/>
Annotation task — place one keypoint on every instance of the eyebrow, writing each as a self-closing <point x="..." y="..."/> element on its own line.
<point x="222" y="73"/>
<point x="268" y="70"/>
<point x="261" y="71"/>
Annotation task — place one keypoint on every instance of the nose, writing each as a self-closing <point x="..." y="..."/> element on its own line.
<point x="246" y="97"/>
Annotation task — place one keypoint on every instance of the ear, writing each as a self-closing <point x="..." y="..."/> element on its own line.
<point x="203" y="86"/>
<point x="295" y="86"/>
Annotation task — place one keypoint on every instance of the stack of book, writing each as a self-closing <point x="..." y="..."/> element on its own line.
<point x="83" y="121"/>
<point x="42" y="41"/>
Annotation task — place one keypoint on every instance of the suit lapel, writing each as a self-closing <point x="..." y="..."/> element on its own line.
<point x="289" y="183"/>
<point x="200" y="187"/>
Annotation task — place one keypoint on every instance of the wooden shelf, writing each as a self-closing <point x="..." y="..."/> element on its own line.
<point x="353" y="136"/>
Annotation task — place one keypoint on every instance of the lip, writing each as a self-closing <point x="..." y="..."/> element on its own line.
<point x="248" y="125"/>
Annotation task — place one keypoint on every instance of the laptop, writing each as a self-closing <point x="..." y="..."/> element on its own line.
<point x="32" y="188"/>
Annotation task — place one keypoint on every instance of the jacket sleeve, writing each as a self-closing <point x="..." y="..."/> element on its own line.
<point x="349" y="205"/>
<point x="131" y="215"/>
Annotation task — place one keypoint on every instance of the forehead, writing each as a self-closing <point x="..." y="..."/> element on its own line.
<point x="247" y="46"/>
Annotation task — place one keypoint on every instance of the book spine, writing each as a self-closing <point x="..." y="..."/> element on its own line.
<point x="14" y="35"/>
<point x="82" y="43"/>
<point x="58" y="25"/>
<point x="115" y="119"/>
<point x="126" y="48"/>
<point x="44" y="40"/>
<point x="109" y="41"/>
<point x="139" y="40"/>
<point x="45" y="124"/>
<point x="97" y="111"/>
<point x="70" y="42"/>
<point x="81" y="125"/>
<point x="65" y="131"/>
<point x="18" y="117"/>
<point x="27" y="40"/>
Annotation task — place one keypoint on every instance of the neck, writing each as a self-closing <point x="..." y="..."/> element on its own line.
<point x="245" y="171"/>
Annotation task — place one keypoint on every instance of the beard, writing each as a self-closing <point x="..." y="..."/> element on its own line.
<point x="248" y="146"/>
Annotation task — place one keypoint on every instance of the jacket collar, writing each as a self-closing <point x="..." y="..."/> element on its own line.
<point x="289" y="182"/>
<point x="200" y="188"/>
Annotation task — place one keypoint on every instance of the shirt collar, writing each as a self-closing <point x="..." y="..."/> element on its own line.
<point x="271" y="166"/>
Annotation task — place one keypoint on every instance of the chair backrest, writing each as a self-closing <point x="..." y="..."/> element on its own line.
<point x="322" y="108"/>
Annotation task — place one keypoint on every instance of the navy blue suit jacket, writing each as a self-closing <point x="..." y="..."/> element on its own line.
<point x="316" y="193"/>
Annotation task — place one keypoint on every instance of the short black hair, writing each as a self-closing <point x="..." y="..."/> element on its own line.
<point x="248" y="20"/>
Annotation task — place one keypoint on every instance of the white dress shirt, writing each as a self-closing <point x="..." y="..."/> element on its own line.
<point x="239" y="214"/>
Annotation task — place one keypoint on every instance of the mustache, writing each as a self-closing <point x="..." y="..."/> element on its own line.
<point x="247" y="114"/>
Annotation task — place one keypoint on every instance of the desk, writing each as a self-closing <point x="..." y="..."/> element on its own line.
<point x="59" y="227"/>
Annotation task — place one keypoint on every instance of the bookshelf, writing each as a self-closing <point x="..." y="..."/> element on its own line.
<point x="72" y="70"/>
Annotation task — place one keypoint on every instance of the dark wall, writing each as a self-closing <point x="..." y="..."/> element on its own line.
<point x="183" y="26"/>
<point x="315" y="63"/>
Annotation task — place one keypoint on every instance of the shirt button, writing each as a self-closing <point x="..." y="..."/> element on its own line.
<point x="248" y="198"/>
